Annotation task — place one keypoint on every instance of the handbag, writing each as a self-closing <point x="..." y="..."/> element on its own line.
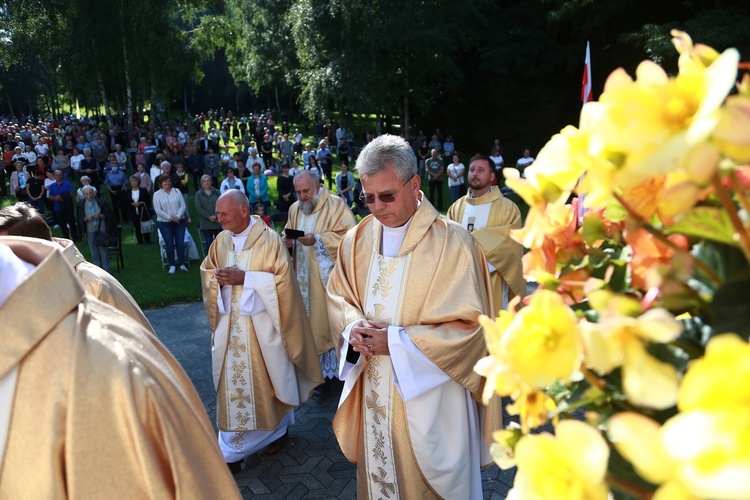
<point x="100" y="237"/>
<point x="147" y="226"/>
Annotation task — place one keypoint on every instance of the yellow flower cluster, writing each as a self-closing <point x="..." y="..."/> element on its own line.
<point x="704" y="451"/>
<point x="658" y="161"/>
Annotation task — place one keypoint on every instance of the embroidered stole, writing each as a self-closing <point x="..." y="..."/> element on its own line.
<point x="235" y="396"/>
<point x="476" y="216"/>
<point x="385" y="297"/>
<point x="303" y="256"/>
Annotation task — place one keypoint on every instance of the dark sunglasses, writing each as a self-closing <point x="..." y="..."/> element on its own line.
<point x="369" y="199"/>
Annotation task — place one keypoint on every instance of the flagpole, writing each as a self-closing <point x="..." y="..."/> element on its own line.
<point x="586" y="96"/>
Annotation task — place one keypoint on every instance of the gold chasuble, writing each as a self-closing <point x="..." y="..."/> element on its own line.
<point x="266" y="364"/>
<point x="435" y="289"/>
<point x="330" y="220"/>
<point x="100" y="408"/>
<point x="490" y="218"/>
<point x="101" y="284"/>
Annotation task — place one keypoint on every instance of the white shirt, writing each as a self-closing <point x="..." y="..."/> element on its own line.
<point x="458" y="171"/>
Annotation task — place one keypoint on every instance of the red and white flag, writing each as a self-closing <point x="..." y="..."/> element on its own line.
<point x="586" y="95"/>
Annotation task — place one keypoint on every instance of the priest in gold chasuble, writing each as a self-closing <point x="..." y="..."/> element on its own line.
<point x="263" y="353"/>
<point x="92" y="405"/>
<point x="404" y="301"/>
<point x="489" y="217"/>
<point x="324" y="219"/>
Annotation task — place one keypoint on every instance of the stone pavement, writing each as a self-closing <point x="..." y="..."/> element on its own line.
<point x="311" y="465"/>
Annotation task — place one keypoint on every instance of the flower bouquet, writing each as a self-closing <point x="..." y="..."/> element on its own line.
<point x="634" y="346"/>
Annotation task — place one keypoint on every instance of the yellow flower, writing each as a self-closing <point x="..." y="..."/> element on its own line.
<point x="648" y="126"/>
<point x="568" y="466"/>
<point x="618" y="340"/>
<point x="533" y="408"/>
<point x="709" y="383"/>
<point x="542" y="344"/>
<point x="704" y="451"/>
<point x="698" y="454"/>
<point x="732" y="133"/>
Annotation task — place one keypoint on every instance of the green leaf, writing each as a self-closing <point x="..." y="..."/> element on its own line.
<point x="705" y="222"/>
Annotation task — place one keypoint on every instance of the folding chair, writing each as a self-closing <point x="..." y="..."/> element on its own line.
<point x="116" y="249"/>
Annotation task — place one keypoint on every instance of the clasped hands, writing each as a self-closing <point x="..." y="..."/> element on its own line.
<point x="229" y="276"/>
<point x="370" y="338"/>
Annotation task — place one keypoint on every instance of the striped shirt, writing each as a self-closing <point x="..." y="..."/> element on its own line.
<point x="169" y="205"/>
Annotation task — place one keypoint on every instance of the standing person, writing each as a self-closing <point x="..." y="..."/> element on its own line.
<point x="489" y="217"/>
<point x="456" y="178"/>
<point x="182" y="180"/>
<point x="90" y="168"/>
<point x="266" y="150"/>
<point x="61" y="195"/>
<point x="323" y="218"/>
<point x="195" y="164"/>
<point x="345" y="184"/>
<point x="205" y="205"/>
<point x="146" y="183"/>
<point x="115" y="413"/>
<point x="498" y="163"/>
<point x="408" y="337"/>
<point x="449" y="148"/>
<point x="211" y="163"/>
<point x="309" y="153"/>
<point x="286" y="149"/>
<point x="18" y="181"/>
<point x="325" y="161"/>
<point x="75" y="164"/>
<point x="263" y="353"/>
<point x="116" y="180"/>
<point x="139" y="209"/>
<point x="344" y="150"/>
<point x="170" y="208"/>
<point x="95" y="216"/>
<point x="257" y="187"/>
<point x="285" y="186"/>
<point x="423" y="153"/>
<point x="36" y="192"/>
<point x="312" y="166"/>
<point x="524" y="161"/>
<point x="231" y="182"/>
<point x="434" y="168"/>
<point x="62" y="162"/>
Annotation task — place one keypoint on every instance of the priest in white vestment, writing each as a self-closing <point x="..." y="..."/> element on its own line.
<point x="324" y="219"/>
<point x="404" y="301"/>
<point x="489" y="217"/>
<point x="263" y="352"/>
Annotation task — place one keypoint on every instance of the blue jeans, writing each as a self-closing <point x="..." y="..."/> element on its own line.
<point x="209" y="235"/>
<point x="174" y="238"/>
<point x="455" y="193"/>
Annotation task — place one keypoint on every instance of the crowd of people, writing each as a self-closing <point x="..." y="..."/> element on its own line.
<point x="331" y="297"/>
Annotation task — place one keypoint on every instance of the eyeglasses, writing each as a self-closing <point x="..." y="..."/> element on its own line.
<point x="369" y="199"/>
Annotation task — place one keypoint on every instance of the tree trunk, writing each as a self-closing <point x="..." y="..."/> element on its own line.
<point x="405" y="112"/>
<point x="154" y="109"/>
<point x="126" y="61"/>
<point x="103" y="92"/>
<point x="10" y="104"/>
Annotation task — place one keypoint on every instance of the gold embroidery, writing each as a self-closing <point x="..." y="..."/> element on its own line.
<point x="385" y="273"/>
<point x="381" y="479"/>
<point x="378" y="409"/>
<point x="243" y="418"/>
<point x="237" y="376"/>
<point x="377" y="451"/>
<point x="380" y="315"/>
<point x="237" y="441"/>
<point x="373" y="375"/>
<point x="236" y="346"/>
<point x="240" y="398"/>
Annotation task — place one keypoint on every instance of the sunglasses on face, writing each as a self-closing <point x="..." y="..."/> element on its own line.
<point x="369" y="199"/>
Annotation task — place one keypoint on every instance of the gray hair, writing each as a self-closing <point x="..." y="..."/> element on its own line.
<point x="384" y="151"/>
<point x="309" y="174"/>
<point x="88" y="187"/>
<point x="85" y="178"/>
<point x="204" y="177"/>
<point x="86" y="149"/>
<point x="165" y="162"/>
